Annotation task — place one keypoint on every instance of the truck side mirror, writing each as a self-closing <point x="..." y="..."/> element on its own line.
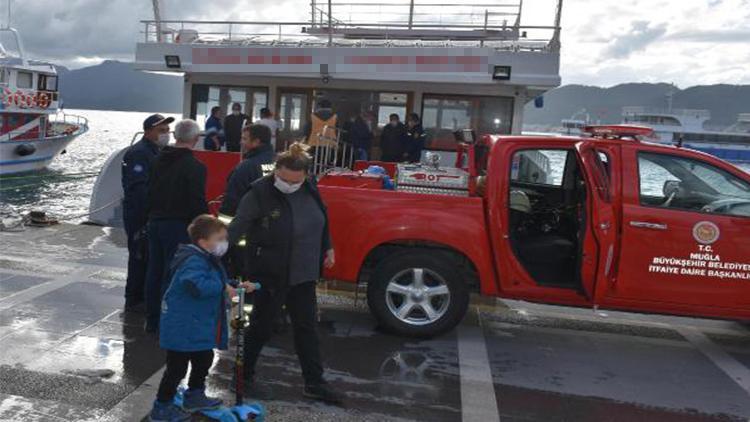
<point x="670" y="187"/>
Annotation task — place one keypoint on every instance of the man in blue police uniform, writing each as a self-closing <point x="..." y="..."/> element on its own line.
<point x="136" y="165"/>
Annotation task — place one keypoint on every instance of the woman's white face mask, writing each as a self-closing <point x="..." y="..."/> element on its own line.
<point x="284" y="187"/>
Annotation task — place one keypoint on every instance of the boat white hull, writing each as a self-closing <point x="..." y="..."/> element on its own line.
<point x="105" y="207"/>
<point x="44" y="151"/>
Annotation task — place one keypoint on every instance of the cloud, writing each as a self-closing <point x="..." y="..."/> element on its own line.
<point x="604" y="42"/>
<point x="640" y="35"/>
<point x="712" y="36"/>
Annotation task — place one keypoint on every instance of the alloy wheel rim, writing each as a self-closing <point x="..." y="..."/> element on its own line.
<point x="417" y="296"/>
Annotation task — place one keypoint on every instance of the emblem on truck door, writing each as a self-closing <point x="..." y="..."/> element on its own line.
<point x="706" y="232"/>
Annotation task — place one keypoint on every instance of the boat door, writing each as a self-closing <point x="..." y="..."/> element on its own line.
<point x="685" y="234"/>
<point x="295" y="106"/>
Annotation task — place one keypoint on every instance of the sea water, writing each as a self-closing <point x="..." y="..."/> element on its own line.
<point x="61" y="190"/>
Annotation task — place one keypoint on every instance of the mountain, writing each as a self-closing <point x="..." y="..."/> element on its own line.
<point x="605" y="104"/>
<point x="114" y="85"/>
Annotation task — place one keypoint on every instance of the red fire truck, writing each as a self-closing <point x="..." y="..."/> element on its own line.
<point x="603" y="221"/>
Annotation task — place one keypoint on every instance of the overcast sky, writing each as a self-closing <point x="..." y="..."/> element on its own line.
<point x="605" y="42"/>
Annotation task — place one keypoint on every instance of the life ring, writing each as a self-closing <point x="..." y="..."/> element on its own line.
<point x="25" y="149"/>
<point x="43" y="100"/>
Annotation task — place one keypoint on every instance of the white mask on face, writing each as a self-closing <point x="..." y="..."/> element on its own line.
<point x="287" y="188"/>
<point x="220" y="249"/>
<point x="236" y="112"/>
<point x="163" y="140"/>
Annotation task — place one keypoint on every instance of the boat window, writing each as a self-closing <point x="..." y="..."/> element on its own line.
<point x="24" y="80"/>
<point x="206" y="97"/>
<point x="539" y="167"/>
<point x="47" y="83"/>
<point x="670" y="181"/>
<point x="444" y="114"/>
<point x="3" y="77"/>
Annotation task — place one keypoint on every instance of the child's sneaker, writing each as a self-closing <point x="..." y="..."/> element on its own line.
<point x="167" y="412"/>
<point x="195" y="400"/>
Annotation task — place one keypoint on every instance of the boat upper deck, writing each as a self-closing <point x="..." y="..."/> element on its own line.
<point x="419" y="41"/>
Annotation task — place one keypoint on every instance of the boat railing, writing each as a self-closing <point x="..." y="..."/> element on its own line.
<point x="364" y="24"/>
<point x="686" y="112"/>
<point x="69" y="121"/>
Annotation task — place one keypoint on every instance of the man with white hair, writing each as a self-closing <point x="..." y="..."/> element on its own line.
<point x="176" y="195"/>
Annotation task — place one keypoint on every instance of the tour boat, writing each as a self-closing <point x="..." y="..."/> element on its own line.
<point x="33" y="130"/>
<point x="457" y="65"/>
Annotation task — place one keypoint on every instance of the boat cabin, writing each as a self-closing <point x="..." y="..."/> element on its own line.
<point x="456" y="65"/>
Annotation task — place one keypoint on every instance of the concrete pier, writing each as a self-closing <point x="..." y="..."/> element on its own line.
<point x="69" y="353"/>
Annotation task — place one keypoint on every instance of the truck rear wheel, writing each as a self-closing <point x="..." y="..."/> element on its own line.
<point x="417" y="294"/>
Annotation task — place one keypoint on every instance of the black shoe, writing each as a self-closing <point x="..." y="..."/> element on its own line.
<point x="322" y="392"/>
<point x="253" y="389"/>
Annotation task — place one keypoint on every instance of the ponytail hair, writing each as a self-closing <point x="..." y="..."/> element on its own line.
<point x="295" y="158"/>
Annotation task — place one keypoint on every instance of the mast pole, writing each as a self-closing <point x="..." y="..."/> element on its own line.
<point x="157" y="19"/>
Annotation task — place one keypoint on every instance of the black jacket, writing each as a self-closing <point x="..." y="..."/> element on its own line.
<point x="416" y="142"/>
<point x="136" y="167"/>
<point x="358" y="134"/>
<point x="393" y="142"/>
<point x="233" y="130"/>
<point x="240" y="179"/>
<point x="264" y="217"/>
<point x="177" y="186"/>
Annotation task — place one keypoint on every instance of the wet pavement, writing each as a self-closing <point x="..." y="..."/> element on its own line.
<point x="68" y="353"/>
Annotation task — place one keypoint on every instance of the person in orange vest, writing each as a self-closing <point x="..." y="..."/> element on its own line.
<point x="322" y="130"/>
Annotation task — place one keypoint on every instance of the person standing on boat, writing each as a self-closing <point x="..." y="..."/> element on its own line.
<point x="285" y="224"/>
<point x="136" y="165"/>
<point x="417" y="137"/>
<point x="233" y="125"/>
<point x="266" y="119"/>
<point x="321" y="129"/>
<point x="214" y="139"/>
<point x="393" y="140"/>
<point x="176" y="195"/>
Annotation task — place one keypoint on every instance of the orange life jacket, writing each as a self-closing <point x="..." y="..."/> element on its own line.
<point x="323" y="132"/>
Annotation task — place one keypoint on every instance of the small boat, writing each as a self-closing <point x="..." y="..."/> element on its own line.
<point x="33" y="130"/>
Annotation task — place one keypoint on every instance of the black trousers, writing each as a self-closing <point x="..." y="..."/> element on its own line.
<point x="300" y="301"/>
<point x="137" y="263"/>
<point x="177" y="365"/>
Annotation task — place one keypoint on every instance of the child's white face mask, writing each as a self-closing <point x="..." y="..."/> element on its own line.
<point x="220" y="249"/>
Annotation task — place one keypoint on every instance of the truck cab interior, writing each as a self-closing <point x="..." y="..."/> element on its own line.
<point x="547" y="199"/>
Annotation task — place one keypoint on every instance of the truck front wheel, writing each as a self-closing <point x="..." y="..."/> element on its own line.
<point x="417" y="294"/>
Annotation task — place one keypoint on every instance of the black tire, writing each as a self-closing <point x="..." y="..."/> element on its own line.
<point x="437" y="269"/>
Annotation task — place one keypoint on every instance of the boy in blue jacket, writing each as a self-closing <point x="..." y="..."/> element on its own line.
<point x="193" y="319"/>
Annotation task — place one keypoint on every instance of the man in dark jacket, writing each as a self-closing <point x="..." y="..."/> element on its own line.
<point x="257" y="153"/>
<point x="285" y="226"/>
<point x="393" y="140"/>
<point x="214" y="138"/>
<point x="136" y="165"/>
<point x="358" y="134"/>
<point x="417" y="137"/>
<point x="176" y="195"/>
<point x="233" y="125"/>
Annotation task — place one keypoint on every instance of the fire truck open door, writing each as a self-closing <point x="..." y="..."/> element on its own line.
<point x="598" y="249"/>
